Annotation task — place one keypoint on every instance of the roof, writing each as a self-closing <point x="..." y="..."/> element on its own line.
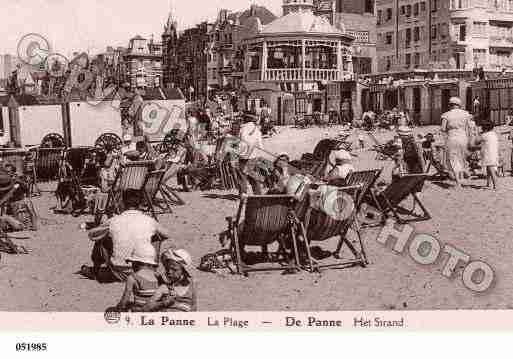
<point x="301" y="22"/>
<point x="260" y="12"/>
<point x="138" y="37"/>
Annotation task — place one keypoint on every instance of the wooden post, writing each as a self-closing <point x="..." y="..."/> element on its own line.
<point x="340" y="61"/>
<point x="14" y="121"/>
<point x="264" y="62"/>
<point x="303" y="63"/>
<point x="66" y="123"/>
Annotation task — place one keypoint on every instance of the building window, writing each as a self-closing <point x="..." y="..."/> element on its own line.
<point x="369" y="6"/>
<point x="403" y="10"/>
<point x="433" y="32"/>
<point x="423" y="6"/>
<point x="416" y="9"/>
<point x="389" y="14"/>
<point x="408" y="10"/>
<point x="388" y="64"/>
<point x="388" y="38"/>
<point x="416" y="34"/>
<point x="463" y="32"/>
<point x="416" y="59"/>
<point x="408" y="60"/>
<point x="408" y="37"/>
<point x="434" y="5"/>
<point x="380" y="14"/>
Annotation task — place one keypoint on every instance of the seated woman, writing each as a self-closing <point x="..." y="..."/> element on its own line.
<point x="343" y="166"/>
<point x="176" y="292"/>
<point x="280" y="174"/>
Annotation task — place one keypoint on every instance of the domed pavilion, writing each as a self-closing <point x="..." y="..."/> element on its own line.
<point x="294" y="58"/>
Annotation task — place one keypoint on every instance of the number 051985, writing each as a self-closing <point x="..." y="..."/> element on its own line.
<point x="31" y="347"/>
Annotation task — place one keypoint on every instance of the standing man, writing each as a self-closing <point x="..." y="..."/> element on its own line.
<point x="250" y="142"/>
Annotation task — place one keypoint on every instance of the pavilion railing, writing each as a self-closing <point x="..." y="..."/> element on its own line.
<point x="296" y="74"/>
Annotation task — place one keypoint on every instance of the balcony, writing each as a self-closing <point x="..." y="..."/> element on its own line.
<point x="296" y="74"/>
<point x="501" y="42"/>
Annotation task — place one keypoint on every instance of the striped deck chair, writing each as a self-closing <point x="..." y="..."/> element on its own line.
<point x="367" y="180"/>
<point x="130" y="176"/>
<point x="261" y="221"/>
<point x="391" y="198"/>
<point x="48" y="162"/>
<point x="317" y="226"/>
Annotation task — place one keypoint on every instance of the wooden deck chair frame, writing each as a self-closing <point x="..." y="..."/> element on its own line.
<point x="131" y="175"/>
<point x="152" y="187"/>
<point x="390" y="199"/>
<point x="274" y="211"/>
<point x="317" y="227"/>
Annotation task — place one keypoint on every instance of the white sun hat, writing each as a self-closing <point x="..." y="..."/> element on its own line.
<point x="143" y="253"/>
<point x="180" y="256"/>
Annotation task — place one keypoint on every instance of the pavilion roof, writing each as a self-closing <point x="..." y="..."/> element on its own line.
<point x="301" y="22"/>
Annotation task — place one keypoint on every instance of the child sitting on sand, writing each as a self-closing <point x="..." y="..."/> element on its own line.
<point x="176" y="293"/>
<point x="143" y="283"/>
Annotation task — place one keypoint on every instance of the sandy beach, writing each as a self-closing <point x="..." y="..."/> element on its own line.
<point x="475" y="220"/>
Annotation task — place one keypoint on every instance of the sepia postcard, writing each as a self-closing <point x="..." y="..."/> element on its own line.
<point x="273" y="164"/>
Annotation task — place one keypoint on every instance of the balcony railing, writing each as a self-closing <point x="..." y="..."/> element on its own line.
<point x="501" y="41"/>
<point x="296" y="74"/>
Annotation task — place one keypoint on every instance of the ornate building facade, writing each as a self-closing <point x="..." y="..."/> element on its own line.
<point x="290" y="62"/>
<point x="452" y="34"/>
<point x="144" y="63"/>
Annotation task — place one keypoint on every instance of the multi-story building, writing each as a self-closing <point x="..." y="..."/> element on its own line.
<point x="225" y="53"/>
<point x="356" y="17"/>
<point x="144" y="63"/>
<point x="453" y="34"/>
<point x="192" y="58"/>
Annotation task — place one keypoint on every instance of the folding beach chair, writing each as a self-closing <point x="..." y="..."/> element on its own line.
<point x="132" y="176"/>
<point x="318" y="226"/>
<point x="390" y="200"/>
<point x="48" y="162"/>
<point x="365" y="179"/>
<point x="152" y="187"/>
<point x="267" y="219"/>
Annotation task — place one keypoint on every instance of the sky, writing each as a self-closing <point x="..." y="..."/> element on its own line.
<point x="92" y="25"/>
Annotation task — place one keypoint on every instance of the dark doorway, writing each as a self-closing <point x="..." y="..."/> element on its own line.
<point x="280" y="114"/>
<point x="317" y="105"/>
<point x="446" y="95"/>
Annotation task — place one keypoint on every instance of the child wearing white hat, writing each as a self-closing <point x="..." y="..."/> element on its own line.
<point x="177" y="293"/>
<point x="143" y="283"/>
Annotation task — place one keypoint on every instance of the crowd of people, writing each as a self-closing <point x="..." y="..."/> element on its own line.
<point x="126" y="247"/>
